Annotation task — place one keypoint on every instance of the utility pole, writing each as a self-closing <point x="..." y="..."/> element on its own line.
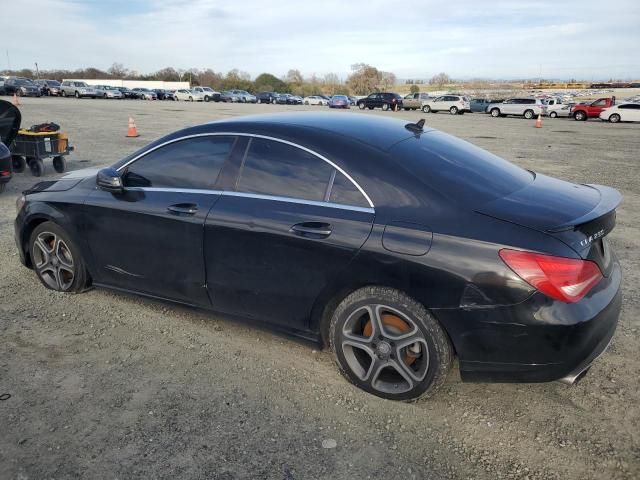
<point x="8" y="61"/>
<point x="37" y="72"/>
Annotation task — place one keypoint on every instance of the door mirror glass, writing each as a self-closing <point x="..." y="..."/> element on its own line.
<point x="109" y="180"/>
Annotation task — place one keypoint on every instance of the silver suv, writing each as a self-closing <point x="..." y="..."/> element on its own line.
<point x="523" y="107"/>
<point x="454" y="104"/>
<point x="70" y="88"/>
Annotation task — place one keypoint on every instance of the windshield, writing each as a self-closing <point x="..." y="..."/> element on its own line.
<point x="458" y="169"/>
<point x="24" y="82"/>
<point x="339" y="97"/>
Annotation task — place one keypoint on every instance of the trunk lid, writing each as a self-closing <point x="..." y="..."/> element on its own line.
<point x="581" y="216"/>
<point x="10" y="119"/>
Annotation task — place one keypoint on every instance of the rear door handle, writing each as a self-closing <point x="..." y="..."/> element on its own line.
<point x="312" y="229"/>
<point x="183" y="208"/>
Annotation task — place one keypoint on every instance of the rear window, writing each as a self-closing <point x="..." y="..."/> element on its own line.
<point x="459" y="170"/>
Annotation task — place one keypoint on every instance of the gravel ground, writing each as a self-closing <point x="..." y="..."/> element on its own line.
<point x="106" y="385"/>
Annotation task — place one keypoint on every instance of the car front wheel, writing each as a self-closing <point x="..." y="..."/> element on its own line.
<point x="580" y="116"/>
<point x="495" y="112"/>
<point x="426" y="108"/>
<point x="553" y="115"/>
<point x="389" y="345"/>
<point x="615" y="118"/>
<point x="56" y="259"/>
<point x="528" y="114"/>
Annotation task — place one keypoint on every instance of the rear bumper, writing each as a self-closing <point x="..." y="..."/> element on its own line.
<point x="538" y="340"/>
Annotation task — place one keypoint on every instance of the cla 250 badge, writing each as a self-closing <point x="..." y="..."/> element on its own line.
<point x="591" y="238"/>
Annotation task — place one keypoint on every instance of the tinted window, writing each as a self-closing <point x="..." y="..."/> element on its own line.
<point x="191" y="163"/>
<point x="459" y="170"/>
<point x="345" y="192"/>
<point x="599" y="103"/>
<point x="274" y="168"/>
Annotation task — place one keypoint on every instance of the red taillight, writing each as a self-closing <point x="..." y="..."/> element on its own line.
<point x="565" y="279"/>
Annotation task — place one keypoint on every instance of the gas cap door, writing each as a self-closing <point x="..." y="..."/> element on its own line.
<point x="407" y="238"/>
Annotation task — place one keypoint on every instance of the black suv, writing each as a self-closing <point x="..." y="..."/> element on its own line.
<point x="267" y="97"/>
<point x="383" y="100"/>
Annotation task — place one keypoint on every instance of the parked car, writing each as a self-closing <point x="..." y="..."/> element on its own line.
<point x="22" y="87"/>
<point x="454" y="104"/>
<point x="558" y="110"/>
<point x="525" y="107"/>
<point x="48" y="87"/>
<point x="625" y="112"/>
<point x="415" y="101"/>
<point x="315" y="100"/>
<point x="353" y="100"/>
<point x="339" y="101"/>
<point x="479" y="105"/>
<point x="10" y="118"/>
<point x="288" y="99"/>
<point x="189" y="95"/>
<point x="208" y="93"/>
<point x="107" y="91"/>
<point x="396" y="270"/>
<point x="128" y="93"/>
<point x="2" y="90"/>
<point x="163" y="94"/>
<point x="145" y="93"/>
<point x="69" y="88"/>
<point x="585" y="111"/>
<point x="266" y="97"/>
<point x="384" y="100"/>
<point x="229" y="97"/>
<point x="244" y="96"/>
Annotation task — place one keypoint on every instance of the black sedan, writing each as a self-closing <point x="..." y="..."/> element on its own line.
<point x="396" y="245"/>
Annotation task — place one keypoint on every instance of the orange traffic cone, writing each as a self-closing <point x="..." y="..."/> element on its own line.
<point x="539" y="122"/>
<point x="16" y="102"/>
<point x="132" y="131"/>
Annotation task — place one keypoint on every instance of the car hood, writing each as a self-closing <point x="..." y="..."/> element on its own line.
<point x="10" y="118"/>
<point x="82" y="173"/>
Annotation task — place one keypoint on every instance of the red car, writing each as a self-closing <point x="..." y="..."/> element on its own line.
<point x="584" y="111"/>
<point x="339" y="101"/>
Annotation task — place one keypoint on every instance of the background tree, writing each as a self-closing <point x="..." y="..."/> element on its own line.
<point x="387" y="80"/>
<point x="266" y="82"/>
<point x="440" y="79"/>
<point x="364" y="79"/>
<point x="332" y="84"/>
<point x="117" y="70"/>
<point x="414" y="88"/>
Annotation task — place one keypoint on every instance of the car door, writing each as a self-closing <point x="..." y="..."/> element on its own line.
<point x="149" y="238"/>
<point x="291" y="224"/>
<point x="509" y="107"/>
<point x="629" y="112"/>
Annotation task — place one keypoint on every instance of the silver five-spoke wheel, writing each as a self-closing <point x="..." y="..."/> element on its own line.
<point x="53" y="260"/>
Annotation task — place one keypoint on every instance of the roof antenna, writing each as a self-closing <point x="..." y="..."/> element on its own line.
<point x="416" y="127"/>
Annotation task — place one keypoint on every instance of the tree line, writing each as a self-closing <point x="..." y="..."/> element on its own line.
<point x="362" y="80"/>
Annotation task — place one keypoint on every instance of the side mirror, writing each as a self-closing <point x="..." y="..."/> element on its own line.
<point x="109" y="180"/>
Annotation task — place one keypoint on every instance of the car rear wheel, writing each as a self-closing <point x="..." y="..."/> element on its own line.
<point x="495" y="112"/>
<point x="580" y="116"/>
<point x="615" y="118"/>
<point x="361" y="106"/>
<point x="18" y="163"/>
<point x="56" y="259"/>
<point x="553" y="115"/>
<point x="389" y="345"/>
<point x="453" y="110"/>
<point x="528" y="114"/>
<point x="385" y="106"/>
<point x="426" y="108"/>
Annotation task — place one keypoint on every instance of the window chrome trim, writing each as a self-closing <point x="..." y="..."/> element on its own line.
<point x="252" y="135"/>
<point x="257" y="196"/>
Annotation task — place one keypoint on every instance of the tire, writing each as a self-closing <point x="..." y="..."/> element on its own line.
<point x="528" y="114"/>
<point x="18" y="163"/>
<point x="361" y="106"/>
<point x="495" y="112"/>
<point x="306" y="103"/>
<point x="406" y="109"/>
<point x="57" y="260"/>
<point x="77" y="94"/>
<point x="59" y="164"/>
<point x="366" y="335"/>
<point x="64" y="94"/>
<point x="19" y="93"/>
<point x="580" y="116"/>
<point x="371" y="108"/>
<point x="615" y="118"/>
<point x="104" y="96"/>
<point x="3" y="185"/>
<point x="453" y="110"/>
<point x="385" y="106"/>
<point x="36" y="166"/>
<point x="191" y="99"/>
<point x="426" y="108"/>
<point x="206" y="98"/>
<point x="553" y="115"/>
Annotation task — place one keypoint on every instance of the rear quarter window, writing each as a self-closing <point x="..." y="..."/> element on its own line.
<point x="459" y="170"/>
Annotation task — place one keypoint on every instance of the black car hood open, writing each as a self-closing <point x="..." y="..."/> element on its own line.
<point x="551" y="205"/>
<point x="10" y="119"/>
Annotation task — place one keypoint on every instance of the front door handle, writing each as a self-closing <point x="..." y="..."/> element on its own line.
<point x="183" y="208"/>
<point x="312" y="229"/>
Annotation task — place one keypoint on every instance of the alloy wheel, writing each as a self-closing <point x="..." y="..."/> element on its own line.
<point x="385" y="349"/>
<point x="53" y="260"/>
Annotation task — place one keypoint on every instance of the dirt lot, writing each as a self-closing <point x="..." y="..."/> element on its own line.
<point x="105" y="385"/>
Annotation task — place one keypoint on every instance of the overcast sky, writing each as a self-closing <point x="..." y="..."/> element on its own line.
<point x="586" y="39"/>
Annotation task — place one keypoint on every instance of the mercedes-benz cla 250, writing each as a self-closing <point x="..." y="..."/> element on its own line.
<point x="395" y="245"/>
